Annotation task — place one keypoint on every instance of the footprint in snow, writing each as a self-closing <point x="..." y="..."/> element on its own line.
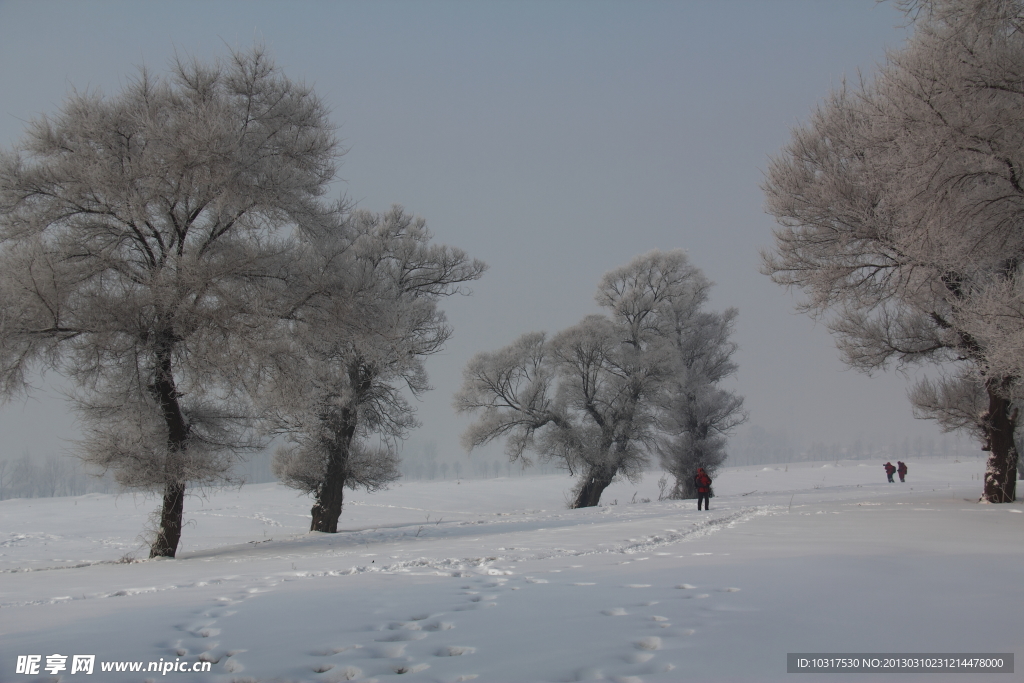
<point x="473" y="605"/>
<point x="345" y="673"/>
<point x="176" y="646"/>
<point x="413" y="625"/>
<point x="328" y="651"/>
<point x="233" y="666"/>
<point x="402" y="636"/>
<point x="195" y="626"/>
<point x="454" y="651"/>
<point x="410" y="668"/>
<point x="680" y="633"/>
<point x="215" y="655"/>
<point x="648" y="643"/>
<point x="439" y="626"/>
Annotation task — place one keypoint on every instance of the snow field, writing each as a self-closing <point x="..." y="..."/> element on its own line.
<point x="495" y="580"/>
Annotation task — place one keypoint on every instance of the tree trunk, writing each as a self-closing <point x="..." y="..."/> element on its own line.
<point x="341" y="425"/>
<point x="331" y="494"/>
<point x="593" y="485"/>
<point x="1001" y="470"/>
<point x="166" y="393"/>
<point x="684" y="489"/>
<point x="329" y="498"/>
<point x="167" y="537"/>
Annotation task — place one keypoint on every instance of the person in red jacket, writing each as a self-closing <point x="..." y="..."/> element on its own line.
<point x="901" y="469"/>
<point x="703" y="483"/>
<point x="889" y="470"/>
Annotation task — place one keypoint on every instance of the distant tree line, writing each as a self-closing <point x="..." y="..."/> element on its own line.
<point x="54" y="475"/>
<point x="756" y="445"/>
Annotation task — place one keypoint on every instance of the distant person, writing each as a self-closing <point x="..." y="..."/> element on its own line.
<point x="703" y="483"/>
<point x="889" y="471"/>
<point x="901" y="469"/>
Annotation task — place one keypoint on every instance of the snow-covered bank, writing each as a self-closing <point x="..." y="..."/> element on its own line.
<point x="495" y="579"/>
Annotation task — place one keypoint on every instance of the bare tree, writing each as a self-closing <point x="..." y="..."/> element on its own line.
<point x="366" y="323"/>
<point x="143" y="239"/>
<point x="901" y="205"/>
<point x="598" y="396"/>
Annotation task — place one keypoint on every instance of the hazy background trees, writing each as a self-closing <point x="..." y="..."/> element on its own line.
<point x="53" y="475"/>
<point x="598" y="396"/>
<point x="901" y="206"/>
<point x="750" y="446"/>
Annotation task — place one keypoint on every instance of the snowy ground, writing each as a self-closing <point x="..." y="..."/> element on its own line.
<point x="496" y="580"/>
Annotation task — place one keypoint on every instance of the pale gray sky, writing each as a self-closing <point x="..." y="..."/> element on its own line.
<point x="555" y="140"/>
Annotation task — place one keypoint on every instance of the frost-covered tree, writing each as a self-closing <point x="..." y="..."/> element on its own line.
<point x="698" y="413"/>
<point x="902" y="211"/>
<point x="598" y="396"/>
<point x="143" y="243"/>
<point x="366" y="319"/>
